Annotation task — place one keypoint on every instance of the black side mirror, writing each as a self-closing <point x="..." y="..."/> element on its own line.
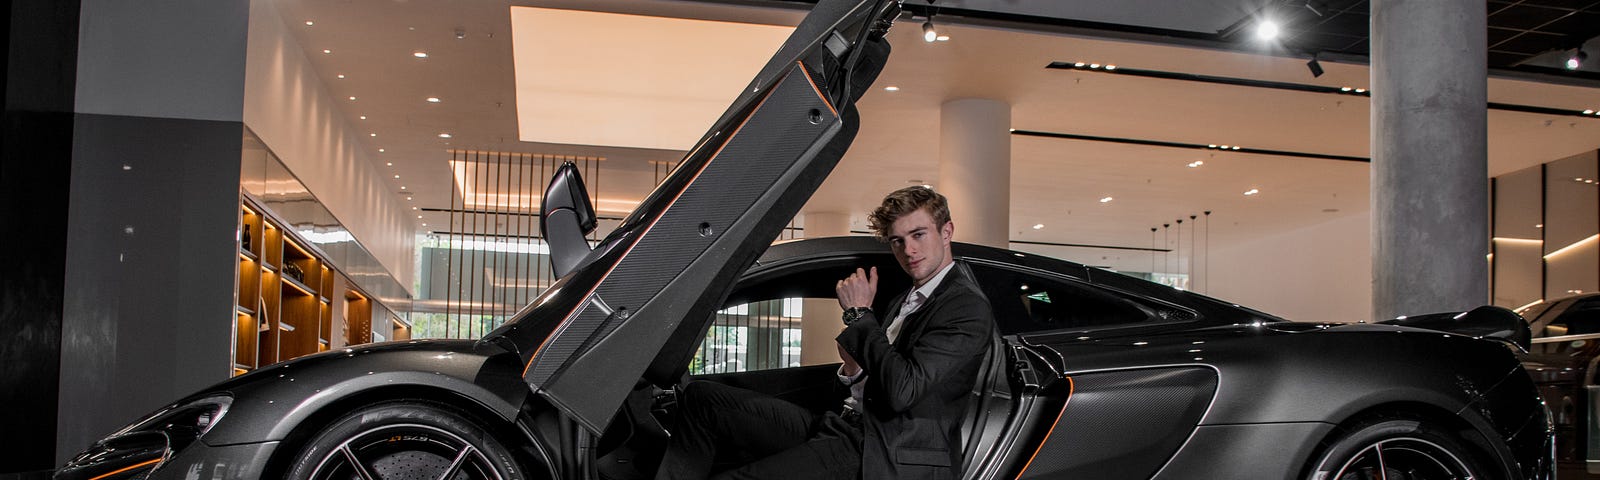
<point x="565" y="217"/>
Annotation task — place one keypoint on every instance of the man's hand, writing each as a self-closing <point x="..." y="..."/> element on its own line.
<point x="850" y="367"/>
<point x="858" y="289"/>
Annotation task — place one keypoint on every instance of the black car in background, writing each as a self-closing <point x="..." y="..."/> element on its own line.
<point x="1562" y="361"/>
<point x="1093" y="374"/>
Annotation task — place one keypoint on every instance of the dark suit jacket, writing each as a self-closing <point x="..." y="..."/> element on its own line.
<point x="918" y="388"/>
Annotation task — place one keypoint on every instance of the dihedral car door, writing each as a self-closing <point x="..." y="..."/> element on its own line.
<point x="592" y="335"/>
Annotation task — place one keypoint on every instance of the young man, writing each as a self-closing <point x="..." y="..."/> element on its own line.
<point x="909" y="370"/>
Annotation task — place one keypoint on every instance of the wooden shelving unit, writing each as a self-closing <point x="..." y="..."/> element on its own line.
<point x="289" y="296"/>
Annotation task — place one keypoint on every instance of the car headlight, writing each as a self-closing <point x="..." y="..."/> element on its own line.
<point x="141" y="447"/>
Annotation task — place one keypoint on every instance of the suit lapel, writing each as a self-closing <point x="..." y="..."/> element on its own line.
<point x="914" y="322"/>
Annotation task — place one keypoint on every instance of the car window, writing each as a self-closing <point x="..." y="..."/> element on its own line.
<point x="1581" y="318"/>
<point x="1026" y="302"/>
<point x="753" y="336"/>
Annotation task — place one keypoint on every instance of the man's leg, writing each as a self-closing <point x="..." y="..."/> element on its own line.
<point x="833" y="453"/>
<point x="718" y="419"/>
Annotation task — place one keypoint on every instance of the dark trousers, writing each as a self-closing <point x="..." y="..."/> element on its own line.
<point x="769" y="438"/>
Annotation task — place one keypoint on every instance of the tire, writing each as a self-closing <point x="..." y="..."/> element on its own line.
<point x="405" y="440"/>
<point x="1407" y="449"/>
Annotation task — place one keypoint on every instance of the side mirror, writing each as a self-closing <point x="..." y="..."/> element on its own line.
<point x="565" y="217"/>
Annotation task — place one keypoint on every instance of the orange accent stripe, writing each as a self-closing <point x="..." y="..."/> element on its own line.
<point x="1046" y="439"/>
<point x="129" y="467"/>
<point x="814" y="88"/>
<point x="571" y="314"/>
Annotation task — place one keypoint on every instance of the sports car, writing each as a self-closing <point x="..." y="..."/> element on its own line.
<point x="1093" y="374"/>
<point x="1563" y="360"/>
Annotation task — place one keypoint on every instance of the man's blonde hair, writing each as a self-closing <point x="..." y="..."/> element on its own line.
<point x="902" y="202"/>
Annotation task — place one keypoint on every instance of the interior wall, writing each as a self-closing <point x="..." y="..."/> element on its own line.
<point x="288" y="108"/>
<point x="1319" y="273"/>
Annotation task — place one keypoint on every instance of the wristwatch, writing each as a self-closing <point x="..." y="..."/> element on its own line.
<point x="855" y="313"/>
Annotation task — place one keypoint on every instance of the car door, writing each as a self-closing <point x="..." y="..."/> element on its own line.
<point x="588" y="339"/>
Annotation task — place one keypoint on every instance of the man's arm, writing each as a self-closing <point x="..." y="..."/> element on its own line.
<point x="958" y="331"/>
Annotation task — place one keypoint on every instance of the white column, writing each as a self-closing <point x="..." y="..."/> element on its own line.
<point x="819" y="322"/>
<point x="975" y="168"/>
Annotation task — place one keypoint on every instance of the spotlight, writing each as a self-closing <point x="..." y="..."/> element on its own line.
<point x="1576" y="60"/>
<point x="1267" y="30"/>
<point x="1316" y="68"/>
<point x="928" y="33"/>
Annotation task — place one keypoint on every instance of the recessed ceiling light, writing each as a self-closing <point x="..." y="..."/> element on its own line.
<point x="408" y="198"/>
<point x="942" y="38"/>
<point x="1196" y="163"/>
<point x="372" y="134"/>
<point x="327" y="51"/>
<point x="363" y="117"/>
<point x="1105" y="200"/>
<point x="341" y="75"/>
<point x="310" y="23"/>
<point x="402" y="187"/>
<point x="433" y="99"/>
<point x="419" y="216"/>
<point x="352" y="98"/>
<point x="424" y="224"/>
<point x="381" y="151"/>
<point x="420" y="54"/>
<point x="1267" y="30"/>
<point x="1252" y="191"/>
<point x="413" y="208"/>
<point x="444" y="135"/>
<point x="396" y="176"/>
<point x="1037" y="226"/>
<point x="389" y="164"/>
<point x="892" y="88"/>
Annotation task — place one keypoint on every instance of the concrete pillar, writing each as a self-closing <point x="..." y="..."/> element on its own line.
<point x="1429" y="157"/>
<point x="975" y="168"/>
<point x="819" y="320"/>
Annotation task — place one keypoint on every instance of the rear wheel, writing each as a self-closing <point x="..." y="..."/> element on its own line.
<point x="403" y="441"/>
<point x="1397" y="449"/>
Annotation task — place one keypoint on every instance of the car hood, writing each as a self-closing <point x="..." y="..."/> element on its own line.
<point x="621" y="312"/>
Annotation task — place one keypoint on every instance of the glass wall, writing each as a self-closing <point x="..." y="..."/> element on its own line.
<point x="1546" y="241"/>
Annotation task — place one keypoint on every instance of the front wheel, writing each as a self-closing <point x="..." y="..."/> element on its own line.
<point x="1397" y="449"/>
<point x="405" y="440"/>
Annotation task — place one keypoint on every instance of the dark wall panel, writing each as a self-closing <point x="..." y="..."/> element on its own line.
<point x="150" y="262"/>
<point x="40" y="41"/>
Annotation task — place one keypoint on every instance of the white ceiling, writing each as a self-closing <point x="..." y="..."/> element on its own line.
<point x="1055" y="182"/>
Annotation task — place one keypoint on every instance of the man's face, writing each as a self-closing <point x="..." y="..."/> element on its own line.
<point x="921" y="247"/>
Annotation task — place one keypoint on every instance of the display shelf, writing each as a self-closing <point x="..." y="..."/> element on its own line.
<point x="291" y="301"/>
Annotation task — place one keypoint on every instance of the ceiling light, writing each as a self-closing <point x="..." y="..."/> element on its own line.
<point x="1037" y="226"/>
<point x="396" y="176"/>
<point x="892" y="88"/>
<point x="419" y="216"/>
<point x="341" y="76"/>
<point x="1345" y="89"/>
<point x="1361" y="90"/>
<point x="1251" y="191"/>
<point x="1576" y="60"/>
<point x="1105" y="200"/>
<point x="1267" y="30"/>
<point x="372" y="134"/>
<point x="1196" y="164"/>
<point x="327" y="51"/>
<point x="413" y="208"/>
<point x="310" y="23"/>
<point x="928" y="33"/>
<point x="433" y="99"/>
<point x="408" y="198"/>
<point x="402" y="187"/>
<point x="389" y="164"/>
<point x="1079" y="64"/>
<point x="444" y="135"/>
<point x="1211" y="145"/>
<point x="1111" y="67"/>
<point x="1314" y="66"/>
<point x="420" y="54"/>
<point x="1094" y="65"/>
<point x="1224" y="147"/>
<point x="352" y="99"/>
<point x="363" y="117"/>
<point x="943" y="38"/>
<point x="1588" y="112"/>
<point x="381" y="151"/>
<point x="1235" y="147"/>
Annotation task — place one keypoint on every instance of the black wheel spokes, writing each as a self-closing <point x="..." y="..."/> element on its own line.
<point x="405" y="452"/>
<point x="1404" y="459"/>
